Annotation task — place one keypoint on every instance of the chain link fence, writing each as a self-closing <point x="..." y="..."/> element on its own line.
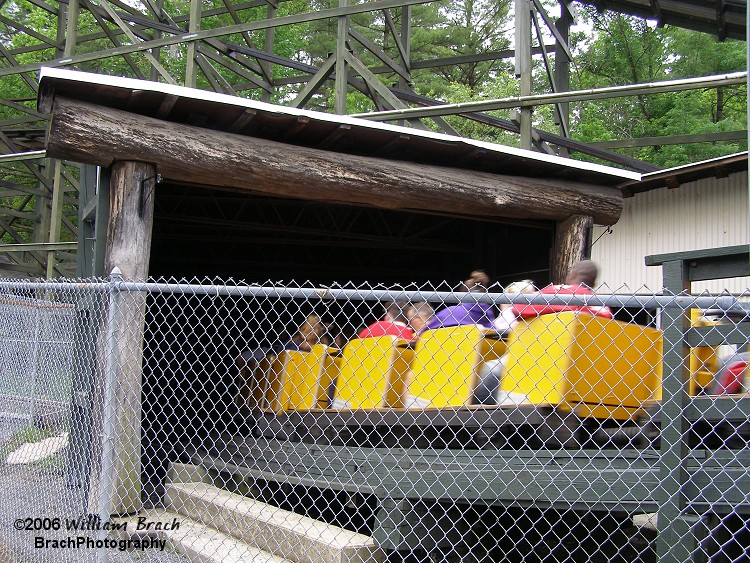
<point x="285" y="422"/>
<point x="35" y="360"/>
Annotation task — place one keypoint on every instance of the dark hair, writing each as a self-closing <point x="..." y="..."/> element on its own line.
<point x="583" y="272"/>
<point x="398" y="310"/>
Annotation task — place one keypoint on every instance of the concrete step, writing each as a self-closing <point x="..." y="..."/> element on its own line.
<point x="199" y="542"/>
<point x="285" y="534"/>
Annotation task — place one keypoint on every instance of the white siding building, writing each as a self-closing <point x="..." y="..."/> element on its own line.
<point x="702" y="205"/>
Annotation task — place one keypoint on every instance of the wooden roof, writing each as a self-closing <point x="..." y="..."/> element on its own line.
<point x="719" y="167"/>
<point x="723" y="18"/>
<point x="317" y="130"/>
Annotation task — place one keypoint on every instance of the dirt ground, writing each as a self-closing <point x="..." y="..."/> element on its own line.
<point x="39" y="490"/>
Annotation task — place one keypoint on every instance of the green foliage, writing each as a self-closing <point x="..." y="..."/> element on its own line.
<point x="612" y="50"/>
<point x="627" y="50"/>
<point x="467" y="27"/>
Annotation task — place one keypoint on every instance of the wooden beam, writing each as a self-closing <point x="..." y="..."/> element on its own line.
<point x="673" y="140"/>
<point x="571" y="245"/>
<point x="523" y="66"/>
<point x="380" y="54"/>
<point x="216" y="32"/>
<point x="550" y="73"/>
<point x="55" y="215"/>
<point x="268" y="42"/>
<point x="193" y="27"/>
<point x="92" y="134"/>
<point x="134" y="40"/>
<point x="42" y="247"/>
<point x="340" y="83"/>
<point x="128" y="248"/>
<point x="314" y="83"/>
<point x="561" y="41"/>
<point x="111" y="34"/>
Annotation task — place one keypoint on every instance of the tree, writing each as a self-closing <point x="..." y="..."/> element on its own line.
<point x="626" y="50"/>
<point x="467" y="27"/>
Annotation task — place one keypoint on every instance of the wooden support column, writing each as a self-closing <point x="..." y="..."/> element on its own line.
<point x="93" y="134"/>
<point x="194" y="26"/>
<point x="71" y="28"/>
<point x="58" y="195"/>
<point x="128" y="248"/>
<point x="339" y="99"/>
<point x="154" y="74"/>
<point x="571" y="245"/>
<point x="523" y="66"/>
<point x="43" y="211"/>
<point x="131" y="218"/>
<point x="265" y="95"/>
<point x="562" y="68"/>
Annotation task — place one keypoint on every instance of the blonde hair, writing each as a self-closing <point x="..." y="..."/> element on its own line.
<point x="523" y="286"/>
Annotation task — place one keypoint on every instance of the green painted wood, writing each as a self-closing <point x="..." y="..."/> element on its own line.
<point x="101" y="221"/>
<point x="697" y="255"/>
<point x="718" y="335"/>
<point x="78" y="469"/>
<point x="677" y="539"/>
<point x="730" y="266"/>
<point x="680" y="533"/>
<point x="708" y="264"/>
<point x="726" y="408"/>
<point x="709" y="485"/>
<point x="592" y="485"/>
<point x="93" y="215"/>
<point x="387" y="530"/>
<point x="674" y="427"/>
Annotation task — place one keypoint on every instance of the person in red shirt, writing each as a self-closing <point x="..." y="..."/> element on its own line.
<point x="580" y="281"/>
<point x="394" y="323"/>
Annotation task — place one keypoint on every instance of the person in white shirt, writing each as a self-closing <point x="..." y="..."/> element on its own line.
<point x="491" y="371"/>
<point x="507" y="318"/>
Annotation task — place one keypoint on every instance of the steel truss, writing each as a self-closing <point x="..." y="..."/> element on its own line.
<point x="231" y="47"/>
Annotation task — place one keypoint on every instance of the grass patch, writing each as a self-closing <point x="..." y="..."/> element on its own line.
<point x="26" y="435"/>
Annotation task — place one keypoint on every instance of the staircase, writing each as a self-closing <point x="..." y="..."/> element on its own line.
<point x="215" y="526"/>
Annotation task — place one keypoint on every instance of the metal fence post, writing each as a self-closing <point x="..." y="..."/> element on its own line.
<point x="676" y="541"/>
<point x="109" y="408"/>
<point x="81" y="426"/>
<point x="36" y="344"/>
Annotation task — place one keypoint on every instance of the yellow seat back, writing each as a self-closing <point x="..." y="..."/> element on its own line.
<point x="298" y="380"/>
<point x="445" y="367"/>
<point x="603" y="368"/>
<point x="372" y="373"/>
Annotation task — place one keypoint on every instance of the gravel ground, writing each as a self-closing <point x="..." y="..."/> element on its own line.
<point x="39" y="490"/>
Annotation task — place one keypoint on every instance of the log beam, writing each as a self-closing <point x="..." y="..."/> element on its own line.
<point x="132" y="185"/>
<point x="93" y="134"/>
<point x="571" y="245"/>
<point x="128" y="248"/>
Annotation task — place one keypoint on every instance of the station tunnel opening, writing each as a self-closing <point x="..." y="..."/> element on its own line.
<point x="192" y="343"/>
